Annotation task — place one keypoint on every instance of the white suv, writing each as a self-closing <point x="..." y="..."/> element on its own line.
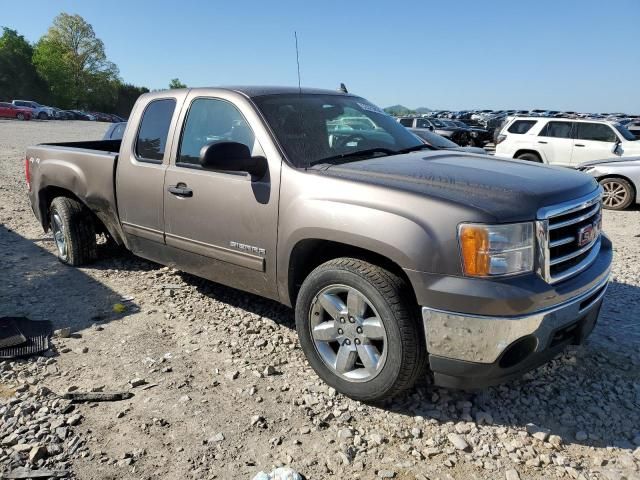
<point x="563" y="141"/>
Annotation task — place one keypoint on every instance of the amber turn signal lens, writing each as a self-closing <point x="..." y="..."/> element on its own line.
<point x="474" y="242"/>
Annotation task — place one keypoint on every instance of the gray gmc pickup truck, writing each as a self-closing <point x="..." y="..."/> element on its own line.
<point x="397" y="257"/>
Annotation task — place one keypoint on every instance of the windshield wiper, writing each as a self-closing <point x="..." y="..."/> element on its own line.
<point x="358" y="153"/>
<point x="424" y="146"/>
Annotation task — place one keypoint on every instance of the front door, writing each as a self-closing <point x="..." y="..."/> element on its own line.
<point x="221" y="225"/>
<point x="594" y="141"/>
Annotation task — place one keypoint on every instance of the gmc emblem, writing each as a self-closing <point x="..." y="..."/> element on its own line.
<point x="588" y="233"/>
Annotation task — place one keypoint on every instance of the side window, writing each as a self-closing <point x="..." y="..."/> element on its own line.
<point x="596" y="131"/>
<point x="521" y="126"/>
<point x="557" y="130"/>
<point x="154" y="128"/>
<point x="422" y="123"/>
<point x="209" y="121"/>
<point x="407" y="122"/>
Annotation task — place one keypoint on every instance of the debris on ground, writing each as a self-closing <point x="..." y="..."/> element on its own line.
<point x="96" y="396"/>
<point x="21" y="337"/>
<point x="282" y="473"/>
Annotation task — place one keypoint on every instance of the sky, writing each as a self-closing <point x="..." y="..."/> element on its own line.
<point x="581" y="55"/>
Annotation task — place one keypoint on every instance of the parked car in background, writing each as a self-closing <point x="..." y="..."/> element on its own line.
<point x="442" y="143"/>
<point x="458" y="135"/>
<point x="9" y="110"/>
<point x="564" y="142"/>
<point x="115" y="131"/>
<point x="59" y="114"/>
<point x="619" y="178"/>
<point x="41" y="112"/>
<point x="80" y="115"/>
<point x="479" y="136"/>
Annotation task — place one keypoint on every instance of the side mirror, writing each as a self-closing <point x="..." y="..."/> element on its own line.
<point x="616" y="148"/>
<point x="431" y="128"/>
<point x="232" y="157"/>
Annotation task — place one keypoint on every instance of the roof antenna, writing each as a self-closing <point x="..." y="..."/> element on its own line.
<point x="295" y="34"/>
<point x="343" y="88"/>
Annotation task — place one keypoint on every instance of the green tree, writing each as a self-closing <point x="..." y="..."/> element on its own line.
<point x="176" y="83"/>
<point x="72" y="59"/>
<point x="127" y="96"/>
<point x="18" y="76"/>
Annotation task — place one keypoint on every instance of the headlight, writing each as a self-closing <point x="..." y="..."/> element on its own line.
<point x="494" y="250"/>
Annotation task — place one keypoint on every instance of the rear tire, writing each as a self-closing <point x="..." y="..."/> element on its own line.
<point x="618" y="193"/>
<point x="73" y="231"/>
<point x="387" y="352"/>
<point x="530" y="157"/>
<point x="43" y="116"/>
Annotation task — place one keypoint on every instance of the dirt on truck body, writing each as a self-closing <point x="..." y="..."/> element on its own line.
<point x="397" y="257"/>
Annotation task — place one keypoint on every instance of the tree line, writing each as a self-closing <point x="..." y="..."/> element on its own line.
<point x="67" y="68"/>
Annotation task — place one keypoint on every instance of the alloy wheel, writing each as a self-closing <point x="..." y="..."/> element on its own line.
<point x="615" y="194"/>
<point x="348" y="333"/>
<point x="58" y="235"/>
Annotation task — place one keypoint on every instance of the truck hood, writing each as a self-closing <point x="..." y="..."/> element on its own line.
<point x="504" y="190"/>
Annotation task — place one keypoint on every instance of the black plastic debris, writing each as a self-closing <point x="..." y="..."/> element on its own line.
<point x="21" y="337"/>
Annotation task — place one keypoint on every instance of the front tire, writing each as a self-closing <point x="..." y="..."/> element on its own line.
<point x="73" y="230"/>
<point x="43" y="116"/>
<point x="20" y="116"/>
<point x="618" y="193"/>
<point x="358" y="328"/>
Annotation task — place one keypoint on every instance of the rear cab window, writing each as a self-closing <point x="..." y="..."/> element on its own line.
<point x="521" y="127"/>
<point x="154" y="129"/>
<point x="407" y="122"/>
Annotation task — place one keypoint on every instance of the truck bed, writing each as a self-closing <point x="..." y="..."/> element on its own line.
<point x="112" y="146"/>
<point x="85" y="170"/>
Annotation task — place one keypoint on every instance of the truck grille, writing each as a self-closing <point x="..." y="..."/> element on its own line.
<point x="569" y="237"/>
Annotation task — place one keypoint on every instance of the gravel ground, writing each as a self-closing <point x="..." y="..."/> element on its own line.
<point x="222" y="389"/>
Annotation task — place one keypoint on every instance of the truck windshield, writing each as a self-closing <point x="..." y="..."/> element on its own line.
<point x="316" y="128"/>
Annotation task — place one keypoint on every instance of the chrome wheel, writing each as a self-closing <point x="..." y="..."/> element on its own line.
<point x="58" y="235"/>
<point x="348" y="333"/>
<point x="615" y="194"/>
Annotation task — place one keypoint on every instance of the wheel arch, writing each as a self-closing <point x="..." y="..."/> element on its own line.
<point x="47" y="194"/>
<point x="307" y="254"/>
<point x="529" y="150"/>
<point x="634" y="187"/>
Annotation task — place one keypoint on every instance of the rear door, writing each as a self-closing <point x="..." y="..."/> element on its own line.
<point x="593" y="141"/>
<point x="144" y="157"/>
<point x="555" y="142"/>
<point x="222" y="225"/>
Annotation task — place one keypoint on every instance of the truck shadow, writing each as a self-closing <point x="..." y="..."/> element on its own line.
<point x="591" y="388"/>
<point x="36" y="285"/>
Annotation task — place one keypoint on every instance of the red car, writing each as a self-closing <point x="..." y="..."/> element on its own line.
<point x="11" y="111"/>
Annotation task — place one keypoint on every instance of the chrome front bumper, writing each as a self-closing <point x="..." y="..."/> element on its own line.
<point x="483" y="339"/>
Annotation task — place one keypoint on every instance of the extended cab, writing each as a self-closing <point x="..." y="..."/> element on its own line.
<point x="394" y="254"/>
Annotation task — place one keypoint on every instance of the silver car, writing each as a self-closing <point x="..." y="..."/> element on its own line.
<point x="620" y="180"/>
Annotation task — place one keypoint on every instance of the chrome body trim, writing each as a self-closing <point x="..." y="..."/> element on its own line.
<point x="482" y="339"/>
<point x="593" y="202"/>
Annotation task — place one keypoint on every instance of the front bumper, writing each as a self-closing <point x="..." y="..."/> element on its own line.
<point x="473" y="351"/>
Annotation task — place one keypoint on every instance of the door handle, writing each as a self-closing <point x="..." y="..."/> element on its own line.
<point x="180" y="190"/>
<point x="579" y="144"/>
<point x="544" y="143"/>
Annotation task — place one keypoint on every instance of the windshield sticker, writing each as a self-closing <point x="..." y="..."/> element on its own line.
<point x="371" y="108"/>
